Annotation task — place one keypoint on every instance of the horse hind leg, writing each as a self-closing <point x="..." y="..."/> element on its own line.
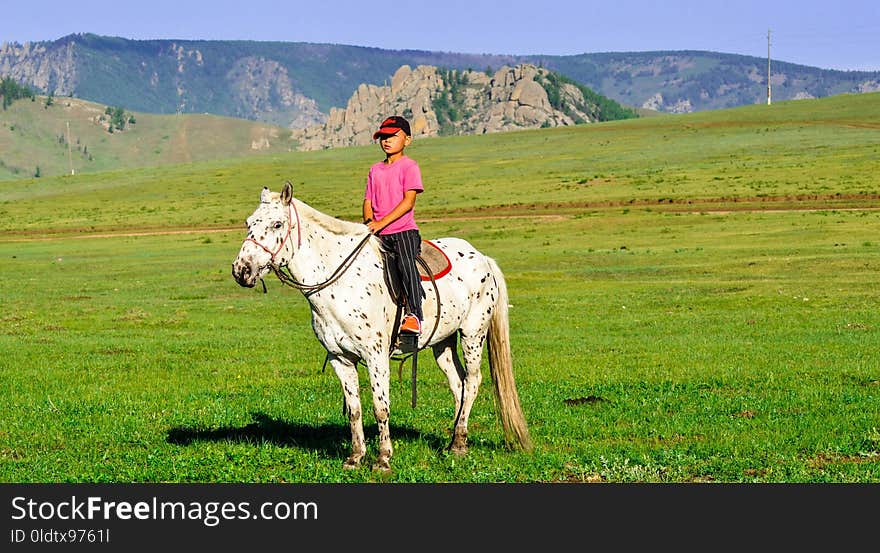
<point x="348" y="377"/>
<point x="464" y="384"/>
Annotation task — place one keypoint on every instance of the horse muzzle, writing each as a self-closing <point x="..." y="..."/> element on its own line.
<point x="245" y="274"/>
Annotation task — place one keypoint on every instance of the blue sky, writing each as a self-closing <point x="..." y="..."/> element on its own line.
<point x="841" y="34"/>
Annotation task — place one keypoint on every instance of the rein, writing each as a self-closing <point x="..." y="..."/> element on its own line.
<point x="309" y="289"/>
<point x="286" y="277"/>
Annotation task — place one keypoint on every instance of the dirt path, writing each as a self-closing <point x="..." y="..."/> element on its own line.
<point x="551" y="212"/>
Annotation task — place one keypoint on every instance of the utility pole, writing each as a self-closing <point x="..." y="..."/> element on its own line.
<point x="768" y="67"/>
<point x="69" y="155"/>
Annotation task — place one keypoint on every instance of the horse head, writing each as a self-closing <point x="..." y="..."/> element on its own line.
<point x="268" y="243"/>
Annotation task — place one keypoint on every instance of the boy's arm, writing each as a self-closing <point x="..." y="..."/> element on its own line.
<point x="368" y="211"/>
<point x="406" y="204"/>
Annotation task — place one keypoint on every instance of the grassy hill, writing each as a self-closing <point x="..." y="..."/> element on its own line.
<point x="788" y="152"/>
<point x="694" y="299"/>
<point x="34" y="135"/>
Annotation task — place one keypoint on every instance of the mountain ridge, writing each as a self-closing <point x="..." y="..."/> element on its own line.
<point x="295" y="84"/>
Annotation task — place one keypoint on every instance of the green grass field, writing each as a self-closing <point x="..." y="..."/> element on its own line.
<point x="694" y="298"/>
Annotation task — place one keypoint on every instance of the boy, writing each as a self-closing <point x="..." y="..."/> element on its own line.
<point x="389" y="199"/>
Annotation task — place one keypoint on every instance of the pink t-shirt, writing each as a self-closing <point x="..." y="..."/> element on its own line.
<point x="385" y="187"/>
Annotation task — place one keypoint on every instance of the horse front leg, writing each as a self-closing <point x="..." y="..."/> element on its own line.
<point x="346" y="370"/>
<point x="380" y="386"/>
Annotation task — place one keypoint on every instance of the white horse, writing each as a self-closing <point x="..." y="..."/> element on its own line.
<point x="339" y="267"/>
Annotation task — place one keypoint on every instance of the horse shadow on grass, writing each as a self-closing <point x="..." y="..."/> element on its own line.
<point x="330" y="440"/>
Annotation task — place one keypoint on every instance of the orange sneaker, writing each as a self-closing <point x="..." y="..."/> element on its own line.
<point x="411" y="325"/>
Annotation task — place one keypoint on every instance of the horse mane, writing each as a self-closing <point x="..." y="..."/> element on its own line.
<point x="334" y="225"/>
<point x="328" y="222"/>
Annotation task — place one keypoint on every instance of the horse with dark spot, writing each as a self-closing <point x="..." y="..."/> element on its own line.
<point x="473" y="307"/>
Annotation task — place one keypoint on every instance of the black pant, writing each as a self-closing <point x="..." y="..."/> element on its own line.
<point x="406" y="246"/>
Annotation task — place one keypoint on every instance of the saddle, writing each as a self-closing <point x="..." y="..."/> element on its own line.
<point x="432" y="264"/>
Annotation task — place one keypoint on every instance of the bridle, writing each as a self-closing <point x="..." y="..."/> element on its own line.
<point x="286" y="236"/>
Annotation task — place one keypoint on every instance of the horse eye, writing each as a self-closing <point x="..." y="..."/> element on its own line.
<point x="277" y="225"/>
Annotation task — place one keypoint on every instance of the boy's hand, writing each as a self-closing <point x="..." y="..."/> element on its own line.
<point x="374" y="226"/>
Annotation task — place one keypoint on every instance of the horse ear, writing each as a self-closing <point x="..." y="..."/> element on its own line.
<point x="265" y="195"/>
<point x="286" y="193"/>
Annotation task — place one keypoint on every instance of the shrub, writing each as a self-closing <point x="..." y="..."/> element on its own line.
<point x="12" y="91"/>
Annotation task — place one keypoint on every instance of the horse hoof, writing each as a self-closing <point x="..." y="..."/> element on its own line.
<point x="459" y="450"/>
<point x="459" y="444"/>
<point x="351" y="464"/>
<point x="383" y="466"/>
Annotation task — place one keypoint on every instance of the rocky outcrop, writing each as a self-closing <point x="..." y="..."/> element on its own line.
<point x="657" y="103"/>
<point x="410" y="94"/>
<point x="868" y="86"/>
<point x="452" y="102"/>
<point x="48" y="69"/>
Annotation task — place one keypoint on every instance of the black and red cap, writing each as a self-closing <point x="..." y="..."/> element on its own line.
<point x="391" y="125"/>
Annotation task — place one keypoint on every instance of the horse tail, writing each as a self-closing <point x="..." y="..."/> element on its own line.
<point x="516" y="430"/>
